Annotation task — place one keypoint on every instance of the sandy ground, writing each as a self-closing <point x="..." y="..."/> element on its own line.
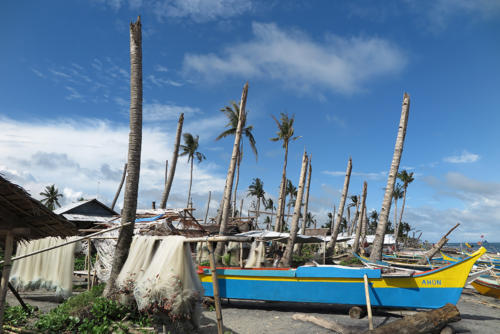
<point x="480" y="314"/>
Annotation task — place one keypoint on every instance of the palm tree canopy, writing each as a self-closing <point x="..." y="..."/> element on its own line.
<point x="291" y="189"/>
<point x="354" y="201"/>
<point x="270" y="204"/>
<point x="285" y="129"/>
<point x="232" y="112"/>
<point x="256" y="188"/>
<point x="397" y="193"/>
<point x="406" y="178"/>
<point x="51" y="197"/>
<point x="190" y="148"/>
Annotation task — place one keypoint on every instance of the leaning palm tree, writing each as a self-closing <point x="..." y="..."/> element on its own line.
<point x="134" y="157"/>
<point x="285" y="134"/>
<point x="406" y="178"/>
<point x="51" y="197"/>
<point x="232" y="112"/>
<point x="190" y="148"/>
<point x="378" y="242"/>
<point x="257" y="189"/>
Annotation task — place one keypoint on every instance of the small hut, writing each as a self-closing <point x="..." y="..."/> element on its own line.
<point x="24" y="218"/>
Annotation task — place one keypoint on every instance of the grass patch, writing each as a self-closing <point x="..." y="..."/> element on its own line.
<point x="17" y="316"/>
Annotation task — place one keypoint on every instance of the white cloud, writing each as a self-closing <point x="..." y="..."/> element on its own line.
<point x="162" y="112"/>
<point x="369" y="175"/>
<point x="201" y="10"/>
<point x="465" y="157"/>
<point x="442" y="10"/>
<point x="290" y="56"/>
<point x="38" y="73"/>
<point x="85" y="157"/>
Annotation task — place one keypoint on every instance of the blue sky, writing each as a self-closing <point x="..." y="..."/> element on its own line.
<point x="340" y="67"/>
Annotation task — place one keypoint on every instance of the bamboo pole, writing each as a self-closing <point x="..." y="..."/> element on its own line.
<point x="368" y="304"/>
<point x="67" y="243"/>
<point x="215" y="286"/>
<point x="9" y="245"/>
<point x="89" y="285"/>
<point x="218" y="238"/>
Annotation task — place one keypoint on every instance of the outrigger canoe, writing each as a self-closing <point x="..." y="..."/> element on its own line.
<point x="486" y="262"/>
<point x="344" y="285"/>
<point x="487" y="286"/>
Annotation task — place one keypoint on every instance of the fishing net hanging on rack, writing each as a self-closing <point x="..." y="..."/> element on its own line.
<point x="257" y="255"/>
<point x="160" y="274"/>
<point x="51" y="270"/>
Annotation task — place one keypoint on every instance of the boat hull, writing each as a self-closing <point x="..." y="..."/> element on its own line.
<point x="343" y="285"/>
<point x="487" y="287"/>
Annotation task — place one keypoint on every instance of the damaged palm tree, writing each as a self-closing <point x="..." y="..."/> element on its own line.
<point x="330" y="248"/>
<point x="287" y="258"/>
<point x="226" y="201"/>
<point x="134" y="156"/>
<point x="175" y="155"/>
<point x="378" y="242"/>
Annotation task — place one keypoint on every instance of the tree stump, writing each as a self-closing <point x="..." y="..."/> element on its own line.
<point x="357" y="312"/>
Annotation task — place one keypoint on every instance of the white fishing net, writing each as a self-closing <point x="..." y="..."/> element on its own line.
<point x="202" y="253"/>
<point x="51" y="270"/>
<point x="161" y="274"/>
<point x="257" y="255"/>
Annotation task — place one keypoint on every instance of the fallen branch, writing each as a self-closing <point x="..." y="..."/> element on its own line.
<point x="333" y="326"/>
<point x="437" y="247"/>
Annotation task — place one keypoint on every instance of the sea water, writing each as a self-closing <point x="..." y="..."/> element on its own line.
<point x="493" y="247"/>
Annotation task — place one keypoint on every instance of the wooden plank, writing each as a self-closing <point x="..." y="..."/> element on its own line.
<point x="215" y="285"/>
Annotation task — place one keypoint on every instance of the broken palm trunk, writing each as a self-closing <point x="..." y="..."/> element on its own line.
<point x="428" y="255"/>
<point x="419" y="323"/>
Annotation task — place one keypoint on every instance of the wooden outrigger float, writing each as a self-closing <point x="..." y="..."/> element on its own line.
<point x="344" y="285"/>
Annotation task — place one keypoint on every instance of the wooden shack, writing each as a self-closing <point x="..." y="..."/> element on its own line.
<point x="24" y="218"/>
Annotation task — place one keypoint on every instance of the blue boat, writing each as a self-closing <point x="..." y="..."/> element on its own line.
<point x="344" y="285"/>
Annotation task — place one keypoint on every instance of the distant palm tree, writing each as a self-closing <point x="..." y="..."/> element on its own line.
<point x="270" y="206"/>
<point x="285" y="134"/>
<point x="51" y="197"/>
<point x="373" y="222"/>
<point x="291" y="191"/>
<point x="190" y="148"/>
<point x="232" y="112"/>
<point x="397" y="194"/>
<point x="406" y="178"/>
<point x="257" y="189"/>
<point x="310" y="219"/>
<point x="354" y="203"/>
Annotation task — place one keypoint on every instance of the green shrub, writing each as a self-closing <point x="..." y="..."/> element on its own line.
<point x="88" y="312"/>
<point x="16" y="315"/>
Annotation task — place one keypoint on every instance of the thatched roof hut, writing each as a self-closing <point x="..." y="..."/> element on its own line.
<point x="19" y="210"/>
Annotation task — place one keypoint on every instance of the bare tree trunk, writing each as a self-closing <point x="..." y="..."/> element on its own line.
<point x="258" y="213"/>
<point x="331" y="244"/>
<point x="281" y="200"/>
<point x="164" y="194"/>
<point x="306" y="204"/>
<point x="237" y="179"/>
<point x="175" y="155"/>
<point x="287" y="257"/>
<point x="190" y="183"/>
<point x="429" y="254"/>
<point x="378" y="243"/>
<point x="119" y="187"/>
<point x="226" y="202"/>
<point x="348" y="219"/>
<point x="359" y="226"/>
<point x="395" y="215"/>
<point x="363" y="231"/>
<point x="134" y="157"/>
<point x="396" y="228"/>
<point x="208" y="206"/>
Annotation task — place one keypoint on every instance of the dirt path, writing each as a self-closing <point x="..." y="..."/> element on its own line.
<point x="479" y="314"/>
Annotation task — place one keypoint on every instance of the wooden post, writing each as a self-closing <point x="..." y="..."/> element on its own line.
<point x="208" y="206"/>
<point x="215" y="285"/>
<point x="9" y="245"/>
<point x="241" y="208"/>
<point x="89" y="285"/>
<point x="241" y="255"/>
<point x="153" y="205"/>
<point x="368" y="304"/>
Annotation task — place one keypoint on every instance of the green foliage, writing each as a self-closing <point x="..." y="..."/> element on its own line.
<point x="16" y="315"/>
<point x="307" y="254"/>
<point x="205" y="263"/>
<point x="350" y="261"/>
<point x="88" y="312"/>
